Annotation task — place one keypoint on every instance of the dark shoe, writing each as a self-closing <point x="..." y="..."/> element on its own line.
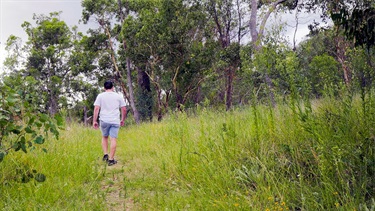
<point x="105" y="158"/>
<point x="112" y="162"/>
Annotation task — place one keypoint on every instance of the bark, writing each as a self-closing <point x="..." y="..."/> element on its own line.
<point x="114" y="62"/>
<point x="129" y="96"/>
<point x="253" y="22"/>
<point x="341" y="49"/>
<point x="229" y="88"/>
<point x="128" y="70"/>
<point x="160" y="104"/>
<point x="131" y="92"/>
<point x="224" y="30"/>
<point x="52" y="99"/>
<point x="257" y="35"/>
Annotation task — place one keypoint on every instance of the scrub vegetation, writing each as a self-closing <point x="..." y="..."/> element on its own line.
<point x="310" y="156"/>
<point x="224" y="112"/>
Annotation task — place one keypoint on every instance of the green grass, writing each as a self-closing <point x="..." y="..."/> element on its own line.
<point x="255" y="158"/>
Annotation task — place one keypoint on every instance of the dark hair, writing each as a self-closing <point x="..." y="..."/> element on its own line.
<point x="108" y="85"/>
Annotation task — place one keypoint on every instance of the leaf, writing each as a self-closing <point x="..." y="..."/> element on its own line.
<point x="40" y="177"/>
<point x="39" y="140"/>
<point x="43" y="118"/>
<point x="60" y="120"/>
<point x="23" y="147"/>
<point x="16" y="131"/>
<point x="2" y="117"/>
<point x="2" y="155"/>
<point x="31" y="121"/>
<point x="29" y="130"/>
<point x="16" y="146"/>
<point x="44" y="150"/>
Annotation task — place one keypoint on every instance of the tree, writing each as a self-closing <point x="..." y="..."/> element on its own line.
<point x="48" y="49"/>
<point x="165" y="40"/>
<point x="54" y="63"/>
<point x="324" y="75"/>
<point x="227" y="18"/>
<point x="257" y="27"/>
<point x="22" y="129"/>
<point x="110" y="16"/>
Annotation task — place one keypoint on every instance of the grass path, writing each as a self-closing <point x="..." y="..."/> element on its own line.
<point x="118" y="180"/>
<point x="113" y="186"/>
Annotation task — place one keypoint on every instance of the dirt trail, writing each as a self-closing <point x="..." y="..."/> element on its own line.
<point x="113" y="186"/>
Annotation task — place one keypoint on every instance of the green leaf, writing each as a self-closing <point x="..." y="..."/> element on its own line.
<point x="31" y="121"/>
<point x="60" y="120"/>
<point x="23" y="147"/>
<point x="16" y="146"/>
<point x="40" y="177"/>
<point x="29" y="130"/>
<point x="44" y="150"/>
<point x="38" y="124"/>
<point x="2" y="117"/>
<point x="43" y="118"/>
<point x="16" y="131"/>
<point x="2" y="155"/>
<point x="39" y="140"/>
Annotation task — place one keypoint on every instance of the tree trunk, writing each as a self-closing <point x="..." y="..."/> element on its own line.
<point x="341" y="49"/>
<point x="85" y="115"/>
<point x="128" y="69"/>
<point x="257" y="35"/>
<point x="229" y="88"/>
<point x="131" y="91"/>
<point x="145" y="103"/>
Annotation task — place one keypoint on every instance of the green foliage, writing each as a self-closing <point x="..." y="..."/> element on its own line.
<point x="324" y="74"/>
<point x="358" y="21"/>
<point x="70" y="170"/>
<point x="22" y="129"/>
<point x="318" y="155"/>
<point x="315" y="157"/>
<point x="361" y="62"/>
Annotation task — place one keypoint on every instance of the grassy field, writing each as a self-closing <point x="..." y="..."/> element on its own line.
<point x="311" y="157"/>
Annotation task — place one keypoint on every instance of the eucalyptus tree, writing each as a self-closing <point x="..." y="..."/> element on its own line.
<point x="357" y="19"/>
<point x="110" y="15"/>
<point x="354" y="23"/>
<point x="227" y="18"/>
<point x="257" y="26"/>
<point x="183" y="48"/>
<point x="44" y="62"/>
<point x="48" y="70"/>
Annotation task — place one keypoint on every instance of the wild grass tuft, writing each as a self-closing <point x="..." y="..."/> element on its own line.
<point x="317" y="156"/>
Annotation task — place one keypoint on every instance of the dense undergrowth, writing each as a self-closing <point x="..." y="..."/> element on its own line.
<point x="312" y="156"/>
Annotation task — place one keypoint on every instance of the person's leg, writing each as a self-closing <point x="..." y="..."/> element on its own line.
<point x="105" y="133"/>
<point x="105" y="144"/>
<point x="113" y="148"/>
<point x="113" y="133"/>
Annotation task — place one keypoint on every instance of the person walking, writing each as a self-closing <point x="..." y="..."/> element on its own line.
<point x="107" y="107"/>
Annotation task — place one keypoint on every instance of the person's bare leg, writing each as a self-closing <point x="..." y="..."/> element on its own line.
<point x="113" y="148"/>
<point x="105" y="144"/>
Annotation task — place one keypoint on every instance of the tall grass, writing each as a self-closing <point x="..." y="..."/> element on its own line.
<point x="317" y="156"/>
<point x="72" y="175"/>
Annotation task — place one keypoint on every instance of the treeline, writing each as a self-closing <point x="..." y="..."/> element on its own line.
<point x="170" y="55"/>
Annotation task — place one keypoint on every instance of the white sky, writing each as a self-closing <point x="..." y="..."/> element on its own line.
<point x="14" y="12"/>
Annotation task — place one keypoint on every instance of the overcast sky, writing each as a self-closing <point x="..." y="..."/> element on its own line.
<point x="14" y="12"/>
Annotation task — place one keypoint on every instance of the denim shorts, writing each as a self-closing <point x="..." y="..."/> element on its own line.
<point x="109" y="129"/>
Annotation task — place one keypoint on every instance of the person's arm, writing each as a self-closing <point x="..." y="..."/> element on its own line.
<point x="123" y="115"/>
<point x="95" y="118"/>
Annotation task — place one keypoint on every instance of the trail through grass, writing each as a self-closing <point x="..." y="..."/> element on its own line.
<point x="259" y="158"/>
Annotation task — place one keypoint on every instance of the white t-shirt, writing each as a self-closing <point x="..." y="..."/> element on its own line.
<point x="110" y="104"/>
